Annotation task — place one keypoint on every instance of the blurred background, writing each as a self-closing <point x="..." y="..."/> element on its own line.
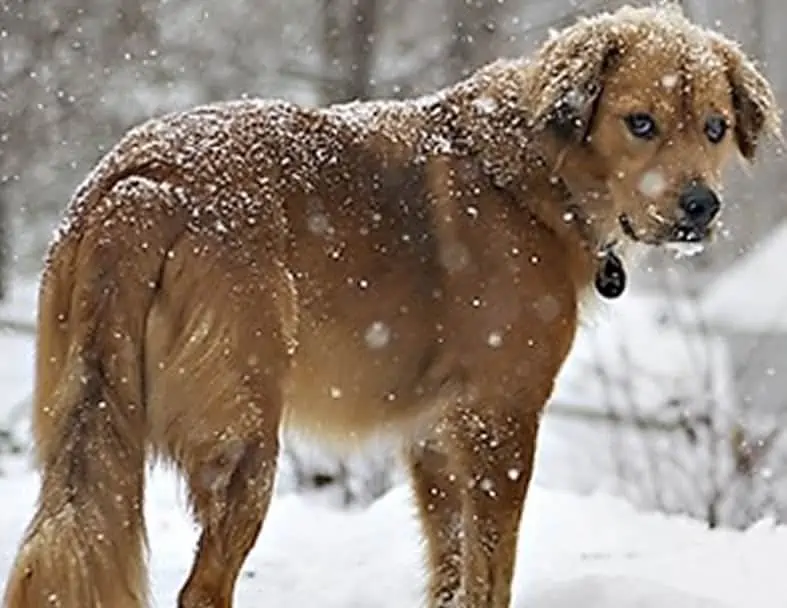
<point x="675" y="397"/>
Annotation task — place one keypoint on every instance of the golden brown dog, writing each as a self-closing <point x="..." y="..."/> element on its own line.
<point x="411" y="269"/>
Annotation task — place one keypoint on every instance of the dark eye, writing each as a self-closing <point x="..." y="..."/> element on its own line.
<point x="715" y="128"/>
<point x="642" y="125"/>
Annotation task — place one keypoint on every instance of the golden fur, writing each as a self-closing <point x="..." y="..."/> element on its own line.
<point x="403" y="268"/>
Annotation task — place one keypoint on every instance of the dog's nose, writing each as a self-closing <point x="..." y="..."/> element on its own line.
<point x="699" y="203"/>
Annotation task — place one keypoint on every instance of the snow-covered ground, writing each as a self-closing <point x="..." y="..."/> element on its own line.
<point x="589" y="551"/>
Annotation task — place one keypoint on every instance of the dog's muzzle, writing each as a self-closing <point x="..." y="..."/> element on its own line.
<point x="698" y="208"/>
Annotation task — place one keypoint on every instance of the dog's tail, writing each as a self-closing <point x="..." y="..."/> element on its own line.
<point x="84" y="547"/>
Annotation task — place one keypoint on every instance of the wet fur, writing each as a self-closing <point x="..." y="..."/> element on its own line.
<point x="405" y="269"/>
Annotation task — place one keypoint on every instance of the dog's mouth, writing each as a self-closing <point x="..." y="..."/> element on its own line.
<point x="627" y="227"/>
<point x="680" y="232"/>
<point x="690" y="234"/>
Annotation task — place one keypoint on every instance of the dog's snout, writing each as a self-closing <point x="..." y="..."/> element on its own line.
<point x="699" y="203"/>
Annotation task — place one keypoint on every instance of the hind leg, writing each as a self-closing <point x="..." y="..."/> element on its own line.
<point x="216" y="359"/>
<point x="230" y="491"/>
<point x="229" y="459"/>
<point x="438" y="496"/>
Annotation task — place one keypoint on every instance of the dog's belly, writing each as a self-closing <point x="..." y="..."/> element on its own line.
<point x="375" y="373"/>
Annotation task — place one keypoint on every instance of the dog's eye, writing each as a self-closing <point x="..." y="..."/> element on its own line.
<point x="715" y="128"/>
<point x="642" y="125"/>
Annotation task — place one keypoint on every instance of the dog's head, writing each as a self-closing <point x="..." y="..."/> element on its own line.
<point x="649" y="107"/>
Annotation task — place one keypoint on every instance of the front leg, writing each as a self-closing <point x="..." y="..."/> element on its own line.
<point x="494" y="447"/>
<point x="438" y="495"/>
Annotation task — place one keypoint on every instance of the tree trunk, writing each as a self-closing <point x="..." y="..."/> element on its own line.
<point x="331" y="90"/>
<point x="5" y="247"/>
<point x="348" y="49"/>
<point x="363" y="29"/>
<point x="473" y="35"/>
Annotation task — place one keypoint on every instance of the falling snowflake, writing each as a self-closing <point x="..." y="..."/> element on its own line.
<point x="495" y="339"/>
<point x="377" y="335"/>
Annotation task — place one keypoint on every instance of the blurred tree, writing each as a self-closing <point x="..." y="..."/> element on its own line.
<point x="474" y="35"/>
<point x="349" y="48"/>
<point x="5" y="246"/>
<point x="331" y="90"/>
<point x="57" y="118"/>
<point x="363" y="32"/>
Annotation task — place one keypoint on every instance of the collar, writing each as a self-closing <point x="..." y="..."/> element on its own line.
<point x="610" y="279"/>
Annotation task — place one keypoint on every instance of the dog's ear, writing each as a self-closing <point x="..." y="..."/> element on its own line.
<point x="755" y="106"/>
<point x="568" y="88"/>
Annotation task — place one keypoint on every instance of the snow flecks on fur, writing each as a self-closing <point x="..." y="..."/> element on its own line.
<point x="685" y="250"/>
<point x="485" y="105"/>
<point x="208" y="152"/>
<point x="670" y="81"/>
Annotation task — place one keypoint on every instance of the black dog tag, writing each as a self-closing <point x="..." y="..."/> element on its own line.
<point x="610" y="276"/>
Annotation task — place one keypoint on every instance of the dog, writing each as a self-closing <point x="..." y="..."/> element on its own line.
<point x="410" y="269"/>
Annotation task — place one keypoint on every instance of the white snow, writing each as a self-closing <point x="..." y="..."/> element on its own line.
<point x="755" y="285"/>
<point x="594" y="552"/>
<point x="485" y="105"/>
<point x="662" y="340"/>
<point x="669" y="81"/>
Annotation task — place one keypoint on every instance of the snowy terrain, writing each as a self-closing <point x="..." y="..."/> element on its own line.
<point x="589" y="551"/>
<point x="592" y="552"/>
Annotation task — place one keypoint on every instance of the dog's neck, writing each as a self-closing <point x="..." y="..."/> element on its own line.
<point x="483" y="117"/>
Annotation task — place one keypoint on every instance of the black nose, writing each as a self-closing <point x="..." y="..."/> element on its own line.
<point x="700" y="204"/>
